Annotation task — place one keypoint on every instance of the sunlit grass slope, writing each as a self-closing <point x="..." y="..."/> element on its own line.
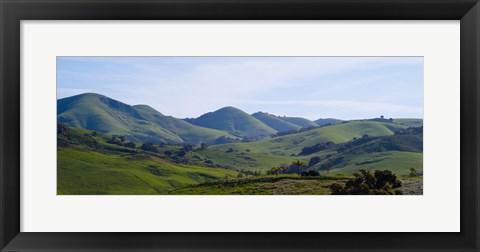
<point x="87" y="172"/>
<point x="292" y="144"/>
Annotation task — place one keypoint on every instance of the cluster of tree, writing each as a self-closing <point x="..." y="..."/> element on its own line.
<point x="275" y="171"/>
<point x="316" y="148"/>
<point x="410" y="130"/>
<point x="310" y="173"/>
<point x="413" y="172"/>
<point x="292" y="168"/>
<point x="355" y="142"/>
<point x="121" y="141"/>
<point x="67" y="136"/>
<point x="246" y="173"/>
<point x="366" y="183"/>
<point x="148" y="146"/>
<point x="203" y="146"/>
<point x="284" y="133"/>
<point x="298" y="166"/>
<point x="382" y="119"/>
<point x="317" y="159"/>
<point x="181" y="152"/>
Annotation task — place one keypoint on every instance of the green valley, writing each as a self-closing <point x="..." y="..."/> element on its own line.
<point x="108" y="147"/>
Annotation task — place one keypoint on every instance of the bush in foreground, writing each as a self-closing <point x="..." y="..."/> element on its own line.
<point x="366" y="183"/>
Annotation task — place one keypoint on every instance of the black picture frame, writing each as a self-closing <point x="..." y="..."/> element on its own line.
<point x="13" y="11"/>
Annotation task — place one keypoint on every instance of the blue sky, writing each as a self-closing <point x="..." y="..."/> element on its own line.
<point x="310" y="87"/>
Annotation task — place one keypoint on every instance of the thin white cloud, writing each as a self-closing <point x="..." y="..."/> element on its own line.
<point x="209" y="86"/>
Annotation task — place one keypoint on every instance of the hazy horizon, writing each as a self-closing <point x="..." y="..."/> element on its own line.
<point x="310" y="87"/>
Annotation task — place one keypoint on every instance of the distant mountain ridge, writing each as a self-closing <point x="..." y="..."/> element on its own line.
<point x="141" y="122"/>
<point x="226" y="125"/>
<point x="235" y="122"/>
<point x="328" y="121"/>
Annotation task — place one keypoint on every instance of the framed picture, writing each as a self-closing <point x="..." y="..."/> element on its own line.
<point x="239" y="125"/>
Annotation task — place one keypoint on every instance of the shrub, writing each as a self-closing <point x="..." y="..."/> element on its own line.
<point x="114" y="140"/>
<point x="310" y="173"/>
<point x="413" y="172"/>
<point x="130" y="145"/>
<point x="316" y="148"/>
<point x="148" y="146"/>
<point x="366" y="183"/>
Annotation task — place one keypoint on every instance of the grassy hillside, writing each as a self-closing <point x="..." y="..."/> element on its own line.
<point x="88" y="164"/>
<point x="100" y="113"/>
<point x="235" y="122"/>
<point x="398" y="162"/>
<point x="292" y="144"/>
<point x="302" y="122"/>
<point x="397" y="153"/>
<point x="138" y="123"/>
<point x="276" y="122"/>
<point x="411" y="122"/>
<point x="189" y="133"/>
<point x="88" y="172"/>
<point x="325" y="121"/>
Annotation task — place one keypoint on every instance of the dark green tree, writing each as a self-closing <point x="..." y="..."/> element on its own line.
<point x="298" y="163"/>
<point x="148" y="146"/>
<point x="365" y="183"/>
<point x="413" y="172"/>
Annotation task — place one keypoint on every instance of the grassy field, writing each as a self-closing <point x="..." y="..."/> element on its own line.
<point x="285" y="185"/>
<point x="85" y="173"/>
<point x="281" y="185"/>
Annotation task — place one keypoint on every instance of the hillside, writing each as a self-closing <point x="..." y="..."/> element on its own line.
<point x="189" y="133"/>
<point x="89" y="162"/>
<point x="302" y="122"/>
<point x="339" y="133"/>
<point x="276" y="122"/>
<point x="397" y="153"/>
<point x="327" y="121"/>
<point x="138" y="123"/>
<point x="235" y="122"/>
<point x="87" y="165"/>
<point x="411" y="122"/>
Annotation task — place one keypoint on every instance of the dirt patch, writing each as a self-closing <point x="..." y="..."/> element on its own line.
<point x="412" y="187"/>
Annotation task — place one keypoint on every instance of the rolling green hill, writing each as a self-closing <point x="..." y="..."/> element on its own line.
<point x="276" y="122"/>
<point x="411" y="122"/>
<point x="302" y="122"/>
<point x="325" y="121"/>
<point x="138" y="123"/>
<point x="235" y="122"/>
<point x="292" y="144"/>
<point x="397" y="153"/>
<point x="188" y="132"/>
<point x="87" y="165"/>
<point x="84" y="172"/>
<point x="398" y="162"/>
